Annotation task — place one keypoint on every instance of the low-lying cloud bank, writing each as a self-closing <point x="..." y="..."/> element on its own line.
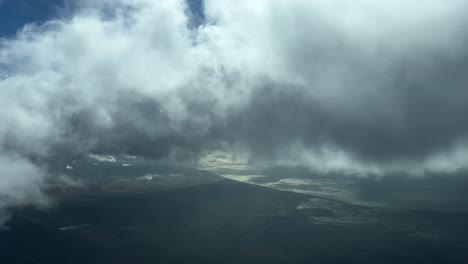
<point x="360" y="86"/>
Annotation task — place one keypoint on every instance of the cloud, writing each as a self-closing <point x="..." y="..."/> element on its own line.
<point x="21" y="183"/>
<point x="345" y="85"/>
<point x="381" y="82"/>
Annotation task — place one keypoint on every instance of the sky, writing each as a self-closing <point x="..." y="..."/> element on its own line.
<point x="353" y="87"/>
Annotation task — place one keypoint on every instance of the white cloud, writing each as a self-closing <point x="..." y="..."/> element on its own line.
<point x="21" y="184"/>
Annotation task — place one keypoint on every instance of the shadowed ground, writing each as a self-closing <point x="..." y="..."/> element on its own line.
<point x="222" y="221"/>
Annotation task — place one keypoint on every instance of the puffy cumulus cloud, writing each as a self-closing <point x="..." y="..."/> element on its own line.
<point x="96" y="81"/>
<point x="340" y="84"/>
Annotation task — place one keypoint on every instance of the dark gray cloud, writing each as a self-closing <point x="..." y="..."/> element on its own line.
<point x="415" y="113"/>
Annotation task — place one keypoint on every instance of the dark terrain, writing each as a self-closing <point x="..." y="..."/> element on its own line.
<point x="215" y="220"/>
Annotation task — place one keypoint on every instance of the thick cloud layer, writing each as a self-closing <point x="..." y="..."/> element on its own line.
<point x="343" y="85"/>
